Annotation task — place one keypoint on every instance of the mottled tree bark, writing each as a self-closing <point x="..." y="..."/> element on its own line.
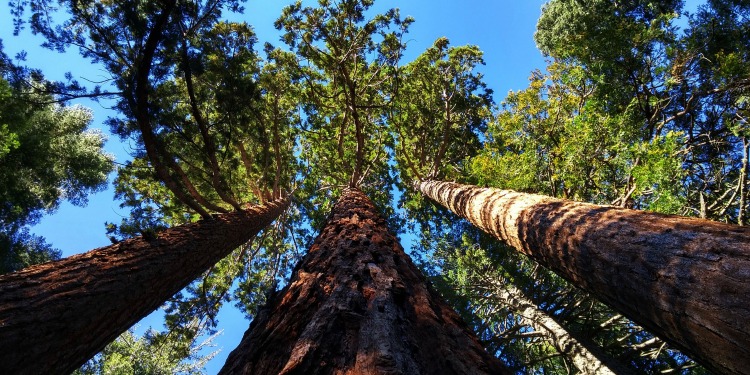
<point x="686" y="280"/>
<point x="588" y="359"/>
<point x="57" y="315"/>
<point x="356" y="304"/>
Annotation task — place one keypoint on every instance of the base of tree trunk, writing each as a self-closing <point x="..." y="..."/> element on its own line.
<point x="356" y="304"/>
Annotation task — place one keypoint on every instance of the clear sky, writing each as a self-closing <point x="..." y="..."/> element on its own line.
<point x="503" y="29"/>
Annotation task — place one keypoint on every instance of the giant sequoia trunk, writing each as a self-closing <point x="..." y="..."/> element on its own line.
<point x="57" y="315"/>
<point x="356" y="304"/>
<point x="686" y="280"/>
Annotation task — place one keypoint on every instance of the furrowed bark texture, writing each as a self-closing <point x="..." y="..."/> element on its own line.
<point x="686" y="280"/>
<point x="57" y="315"/>
<point x="356" y="304"/>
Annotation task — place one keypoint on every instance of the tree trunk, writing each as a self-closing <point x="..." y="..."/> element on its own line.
<point x="589" y="360"/>
<point x="356" y="304"/>
<point x="57" y="315"/>
<point x="684" y="279"/>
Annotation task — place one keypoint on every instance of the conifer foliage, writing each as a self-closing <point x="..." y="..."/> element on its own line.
<point x="335" y="134"/>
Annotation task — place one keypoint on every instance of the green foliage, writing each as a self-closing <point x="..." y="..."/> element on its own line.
<point x="348" y="62"/>
<point x="691" y="84"/>
<point x="554" y="139"/>
<point x="154" y="353"/>
<point x="349" y="82"/>
<point x="441" y="108"/>
<point x="47" y="155"/>
<point x="20" y="249"/>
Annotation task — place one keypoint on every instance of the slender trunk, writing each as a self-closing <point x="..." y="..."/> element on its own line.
<point x="277" y="146"/>
<point x="684" y="279"/>
<point x="357" y="305"/>
<point x="587" y="358"/>
<point x="57" y="315"/>
<point x="743" y="181"/>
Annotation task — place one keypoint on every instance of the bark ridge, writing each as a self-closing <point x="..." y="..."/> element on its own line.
<point x="686" y="280"/>
<point x="57" y="315"/>
<point x="356" y="304"/>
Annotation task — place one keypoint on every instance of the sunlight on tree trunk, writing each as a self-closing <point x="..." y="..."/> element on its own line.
<point x="683" y="279"/>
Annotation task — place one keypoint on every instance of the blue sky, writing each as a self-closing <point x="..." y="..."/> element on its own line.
<point x="503" y="29"/>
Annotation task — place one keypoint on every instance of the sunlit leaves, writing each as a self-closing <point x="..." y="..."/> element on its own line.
<point x="350" y="59"/>
<point x="553" y="138"/>
<point x="47" y="155"/>
<point x="442" y="107"/>
<point x="153" y="353"/>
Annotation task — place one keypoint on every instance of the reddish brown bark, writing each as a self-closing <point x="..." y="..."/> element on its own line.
<point x="356" y="304"/>
<point x="686" y="280"/>
<point x="57" y="315"/>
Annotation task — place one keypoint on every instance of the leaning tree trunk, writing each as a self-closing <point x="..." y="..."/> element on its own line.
<point x="686" y="280"/>
<point x="586" y="357"/>
<point x="356" y="304"/>
<point x="57" y="315"/>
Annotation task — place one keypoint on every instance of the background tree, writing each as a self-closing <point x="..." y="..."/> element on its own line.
<point x="666" y="83"/>
<point x="483" y="278"/>
<point x="47" y="155"/>
<point x="153" y="353"/>
<point x="629" y="113"/>
<point x="321" y="322"/>
<point x="194" y="159"/>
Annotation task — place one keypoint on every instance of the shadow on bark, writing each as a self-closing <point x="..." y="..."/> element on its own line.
<point x="357" y="304"/>
<point x="55" y="316"/>
<point x="686" y="280"/>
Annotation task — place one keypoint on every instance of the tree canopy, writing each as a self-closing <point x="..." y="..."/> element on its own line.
<point x="641" y="105"/>
<point x="47" y="155"/>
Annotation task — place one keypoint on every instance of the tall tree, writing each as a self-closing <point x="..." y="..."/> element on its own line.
<point x="676" y="276"/>
<point x="177" y="71"/>
<point x="490" y="292"/>
<point x="59" y="314"/>
<point x="356" y="303"/>
<point x="47" y="155"/>
<point x="550" y="139"/>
